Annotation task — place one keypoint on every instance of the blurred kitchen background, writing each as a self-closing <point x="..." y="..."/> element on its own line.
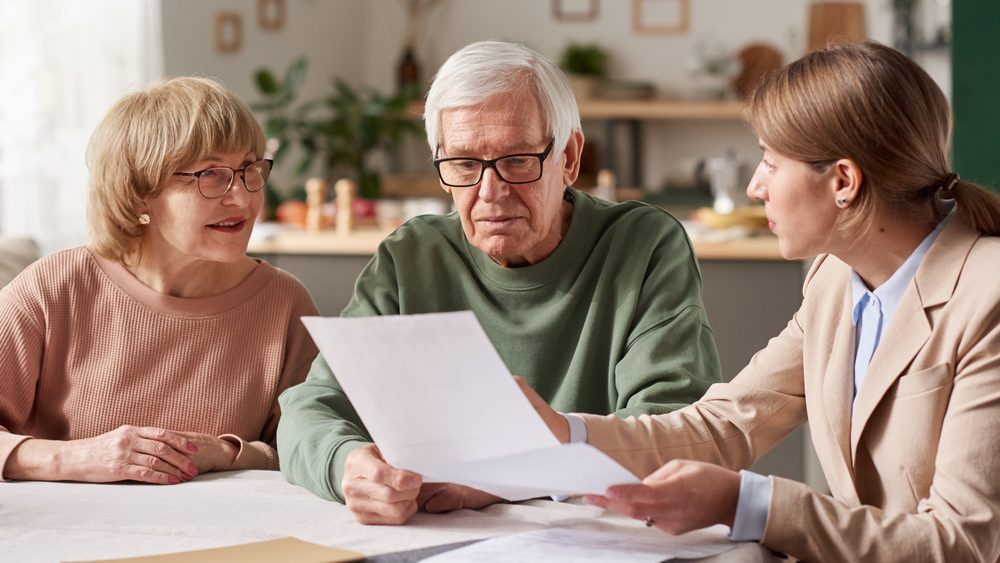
<point x="658" y="80"/>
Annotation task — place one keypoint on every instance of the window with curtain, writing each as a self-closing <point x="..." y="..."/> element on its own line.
<point x="62" y="64"/>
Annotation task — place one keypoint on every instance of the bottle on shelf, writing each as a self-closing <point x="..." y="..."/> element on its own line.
<point x="605" y="188"/>
<point x="345" y="190"/>
<point x="408" y="71"/>
<point x="315" y="197"/>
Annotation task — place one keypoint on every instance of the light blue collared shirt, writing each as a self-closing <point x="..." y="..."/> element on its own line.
<point x="873" y="310"/>
<point x="872" y="313"/>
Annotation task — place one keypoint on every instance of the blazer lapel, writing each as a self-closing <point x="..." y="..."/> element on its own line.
<point x="932" y="285"/>
<point x="838" y="387"/>
<point x="905" y="336"/>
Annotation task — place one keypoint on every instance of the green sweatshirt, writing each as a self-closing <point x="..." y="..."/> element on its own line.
<point x="611" y="322"/>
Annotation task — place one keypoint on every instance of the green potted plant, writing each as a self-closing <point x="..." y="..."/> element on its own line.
<point x="586" y="66"/>
<point x="339" y="132"/>
<point x="904" y="24"/>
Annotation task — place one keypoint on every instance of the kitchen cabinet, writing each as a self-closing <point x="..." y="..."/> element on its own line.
<point x="631" y="115"/>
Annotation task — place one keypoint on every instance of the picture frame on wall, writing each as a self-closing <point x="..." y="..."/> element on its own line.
<point x="574" y="10"/>
<point x="271" y="14"/>
<point x="228" y="32"/>
<point x="660" y="17"/>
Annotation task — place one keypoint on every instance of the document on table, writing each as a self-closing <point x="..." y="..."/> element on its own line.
<point x="284" y="549"/>
<point x="438" y="400"/>
<point x="558" y="545"/>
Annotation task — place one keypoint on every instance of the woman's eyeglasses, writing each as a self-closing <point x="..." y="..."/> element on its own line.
<point x="215" y="182"/>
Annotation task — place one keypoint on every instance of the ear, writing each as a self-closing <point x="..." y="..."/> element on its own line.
<point x="846" y="177"/>
<point x="571" y="165"/>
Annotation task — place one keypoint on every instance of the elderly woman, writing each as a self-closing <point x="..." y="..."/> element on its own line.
<point x="894" y="356"/>
<point x="158" y="351"/>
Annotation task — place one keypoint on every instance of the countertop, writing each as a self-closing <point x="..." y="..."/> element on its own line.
<point x="272" y="239"/>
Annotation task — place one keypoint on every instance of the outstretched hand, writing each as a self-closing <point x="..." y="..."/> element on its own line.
<point x="679" y="497"/>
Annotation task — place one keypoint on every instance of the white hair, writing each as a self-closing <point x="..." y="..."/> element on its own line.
<point x="482" y="70"/>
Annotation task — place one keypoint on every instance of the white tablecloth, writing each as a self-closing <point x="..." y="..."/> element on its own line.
<point x="72" y="521"/>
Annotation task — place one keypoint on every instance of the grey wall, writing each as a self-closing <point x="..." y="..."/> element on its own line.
<point x="329" y="32"/>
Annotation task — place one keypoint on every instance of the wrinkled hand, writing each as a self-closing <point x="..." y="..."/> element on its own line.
<point x="147" y="454"/>
<point x="553" y="419"/>
<point x="680" y="496"/>
<point x="376" y="492"/>
<point x="445" y="497"/>
<point x="213" y="453"/>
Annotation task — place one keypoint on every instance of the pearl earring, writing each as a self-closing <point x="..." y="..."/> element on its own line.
<point x="144" y="219"/>
<point x="841" y="202"/>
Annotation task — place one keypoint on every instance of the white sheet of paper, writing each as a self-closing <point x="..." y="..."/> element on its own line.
<point x="558" y="545"/>
<point x="438" y="400"/>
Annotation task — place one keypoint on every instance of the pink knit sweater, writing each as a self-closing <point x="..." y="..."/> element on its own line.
<point x="85" y="348"/>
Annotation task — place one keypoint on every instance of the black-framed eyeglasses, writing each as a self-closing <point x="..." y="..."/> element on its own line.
<point x="465" y="172"/>
<point x="215" y="182"/>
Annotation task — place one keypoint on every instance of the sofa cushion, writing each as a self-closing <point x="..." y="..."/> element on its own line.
<point x="15" y="255"/>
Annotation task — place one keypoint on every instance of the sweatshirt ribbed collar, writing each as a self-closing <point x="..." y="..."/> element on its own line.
<point x="569" y="250"/>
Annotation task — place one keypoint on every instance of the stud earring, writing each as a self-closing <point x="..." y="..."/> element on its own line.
<point x="144" y="219"/>
<point x="841" y="202"/>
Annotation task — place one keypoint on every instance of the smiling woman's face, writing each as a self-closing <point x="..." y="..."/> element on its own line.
<point x="186" y="226"/>
<point x="515" y="224"/>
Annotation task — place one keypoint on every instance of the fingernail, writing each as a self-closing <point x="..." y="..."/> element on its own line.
<point x="192" y="447"/>
<point x="173" y="480"/>
<point x="192" y="470"/>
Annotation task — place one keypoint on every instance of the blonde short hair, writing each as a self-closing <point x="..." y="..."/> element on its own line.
<point x="145" y="138"/>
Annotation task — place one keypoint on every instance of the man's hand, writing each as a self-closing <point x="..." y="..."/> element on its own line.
<point x="679" y="497"/>
<point x="376" y="492"/>
<point x="445" y="497"/>
<point x="556" y="422"/>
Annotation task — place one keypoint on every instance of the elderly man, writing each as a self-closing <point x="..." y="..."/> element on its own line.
<point x="597" y="305"/>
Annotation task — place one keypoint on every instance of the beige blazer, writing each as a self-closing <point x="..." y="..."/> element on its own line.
<point x="915" y="471"/>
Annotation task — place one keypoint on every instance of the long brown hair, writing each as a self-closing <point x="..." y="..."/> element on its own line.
<point x="871" y="104"/>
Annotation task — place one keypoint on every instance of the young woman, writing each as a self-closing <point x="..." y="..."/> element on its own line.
<point x="158" y="351"/>
<point x="894" y="356"/>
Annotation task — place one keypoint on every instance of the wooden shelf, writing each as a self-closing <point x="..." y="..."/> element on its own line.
<point x="661" y="109"/>
<point x="653" y="110"/>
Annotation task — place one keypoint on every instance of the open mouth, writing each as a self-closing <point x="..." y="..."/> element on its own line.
<point x="232" y="225"/>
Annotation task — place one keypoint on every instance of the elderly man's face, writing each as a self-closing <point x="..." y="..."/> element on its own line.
<point x="515" y="224"/>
